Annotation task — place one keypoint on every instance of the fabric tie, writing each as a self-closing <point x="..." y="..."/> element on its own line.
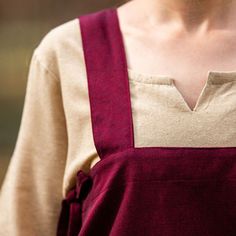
<point x="70" y="217"/>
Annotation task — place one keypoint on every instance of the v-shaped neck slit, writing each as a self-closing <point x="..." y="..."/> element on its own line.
<point x="168" y="80"/>
<point x="213" y="78"/>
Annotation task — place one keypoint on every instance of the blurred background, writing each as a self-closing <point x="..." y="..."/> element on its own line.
<point x="22" y="25"/>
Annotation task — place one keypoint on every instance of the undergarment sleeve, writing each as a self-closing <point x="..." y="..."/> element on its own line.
<point x="30" y="197"/>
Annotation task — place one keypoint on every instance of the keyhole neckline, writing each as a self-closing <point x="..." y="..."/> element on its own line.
<point x="213" y="77"/>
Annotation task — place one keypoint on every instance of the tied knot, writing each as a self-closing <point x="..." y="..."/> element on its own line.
<point x="70" y="218"/>
<point x="83" y="185"/>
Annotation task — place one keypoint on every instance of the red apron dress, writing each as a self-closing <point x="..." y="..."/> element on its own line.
<point x="141" y="191"/>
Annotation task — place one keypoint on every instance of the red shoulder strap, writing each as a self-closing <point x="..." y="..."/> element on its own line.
<point x="108" y="82"/>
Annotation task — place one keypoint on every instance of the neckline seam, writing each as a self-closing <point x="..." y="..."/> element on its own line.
<point x="214" y="77"/>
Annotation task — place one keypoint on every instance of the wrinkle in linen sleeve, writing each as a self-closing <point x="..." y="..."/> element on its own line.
<point x="30" y="197"/>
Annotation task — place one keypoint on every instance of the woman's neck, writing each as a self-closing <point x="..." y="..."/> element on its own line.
<point x="189" y="14"/>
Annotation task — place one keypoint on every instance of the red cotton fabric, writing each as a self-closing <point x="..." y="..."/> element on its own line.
<point x="141" y="191"/>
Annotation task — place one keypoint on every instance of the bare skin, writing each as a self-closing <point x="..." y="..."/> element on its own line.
<point x="183" y="39"/>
